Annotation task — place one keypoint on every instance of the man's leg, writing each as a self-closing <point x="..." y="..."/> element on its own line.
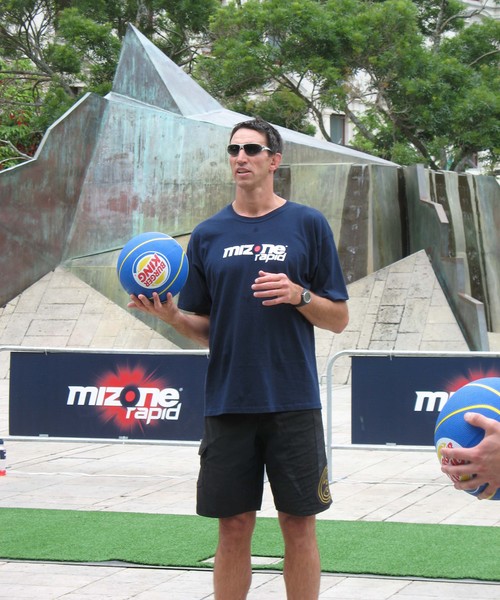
<point x="233" y="567"/>
<point x="302" y="569"/>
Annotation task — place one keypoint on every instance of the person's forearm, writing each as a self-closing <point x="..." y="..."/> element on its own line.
<point x="277" y="288"/>
<point x="324" y="313"/>
<point x="194" y="327"/>
<point x="190" y="325"/>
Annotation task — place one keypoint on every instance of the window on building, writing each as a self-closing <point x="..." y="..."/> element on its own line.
<point x="337" y="129"/>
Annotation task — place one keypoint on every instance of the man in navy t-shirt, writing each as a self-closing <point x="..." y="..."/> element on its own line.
<point x="263" y="272"/>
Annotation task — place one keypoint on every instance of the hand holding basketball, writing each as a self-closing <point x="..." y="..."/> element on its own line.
<point x="165" y="310"/>
<point x="150" y="263"/>
<point x="467" y="438"/>
<point x="483" y="460"/>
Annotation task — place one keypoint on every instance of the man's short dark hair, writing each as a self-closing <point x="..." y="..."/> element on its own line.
<point x="273" y="137"/>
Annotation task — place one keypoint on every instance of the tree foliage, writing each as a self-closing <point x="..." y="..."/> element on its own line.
<point x="53" y="51"/>
<point x="19" y="135"/>
<point x="424" y="79"/>
<point x="418" y="79"/>
<point x="282" y="45"/>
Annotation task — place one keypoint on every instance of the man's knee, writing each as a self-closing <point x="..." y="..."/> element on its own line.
<point x="238" y="528"/>
<point x="298" y="528"/>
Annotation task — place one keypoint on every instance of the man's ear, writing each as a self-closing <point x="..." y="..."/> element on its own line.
<point x="275" y="162"/>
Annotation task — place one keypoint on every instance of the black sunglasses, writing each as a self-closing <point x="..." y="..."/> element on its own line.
<point x="250" y="149"/>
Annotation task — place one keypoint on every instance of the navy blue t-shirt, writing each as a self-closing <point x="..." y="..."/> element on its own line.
<point x="262" y="358"/>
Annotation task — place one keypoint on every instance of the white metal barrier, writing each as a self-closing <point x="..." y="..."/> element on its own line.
<point x="330" y="446"/>
<point x="385" y="353"/>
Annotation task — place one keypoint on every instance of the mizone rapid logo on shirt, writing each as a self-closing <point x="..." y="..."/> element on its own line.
<point x="259" y="252"/>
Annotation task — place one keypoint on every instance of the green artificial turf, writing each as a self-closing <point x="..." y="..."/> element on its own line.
<point x="379" y="548"/>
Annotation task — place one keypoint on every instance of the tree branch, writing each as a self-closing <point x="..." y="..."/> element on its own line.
<point x="20" y="155"/>
<point x="311" y="104"/>
<point x="27" y="74"/>
<point x="483" y="56"/>
<point x="464" y="15"/>
<point x="366" y="133"/>
<point x="410" y="136"/>
<point x="442" y="24"/>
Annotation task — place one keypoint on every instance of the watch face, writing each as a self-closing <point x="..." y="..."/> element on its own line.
<point x="306" y="296"/>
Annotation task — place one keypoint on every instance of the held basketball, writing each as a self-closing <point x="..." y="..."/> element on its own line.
<point x="452" y="431"/>
<point x="152" y="262"/>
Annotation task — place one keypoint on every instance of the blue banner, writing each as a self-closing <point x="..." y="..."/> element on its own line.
<point x="94" y="395"/>
<point x="396" y="399"/>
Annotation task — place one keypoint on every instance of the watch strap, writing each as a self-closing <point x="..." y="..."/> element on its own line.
<point x="303" y="301"/>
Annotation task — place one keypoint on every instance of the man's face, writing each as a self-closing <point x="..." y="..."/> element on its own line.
<point x="250" y="171"/>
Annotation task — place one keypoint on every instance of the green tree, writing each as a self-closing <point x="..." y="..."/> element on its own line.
<point x="50" y="55"/>
<point x="425" y="80"/>
<point x="280" y="107"/>
<point x="53" y="51"/>
<point x="437" y="90"/>
<point x="19" y="99"/>
<point x="277" y="45"/>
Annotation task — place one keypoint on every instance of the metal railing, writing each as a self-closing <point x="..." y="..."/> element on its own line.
<point x="330" y="446"/>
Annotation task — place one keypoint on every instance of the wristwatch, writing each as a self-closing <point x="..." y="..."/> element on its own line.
<point x="305" y="298"/>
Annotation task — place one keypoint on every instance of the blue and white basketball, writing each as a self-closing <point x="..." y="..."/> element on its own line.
<point x="152" y="262"/>
<point x="452" y="431"/>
